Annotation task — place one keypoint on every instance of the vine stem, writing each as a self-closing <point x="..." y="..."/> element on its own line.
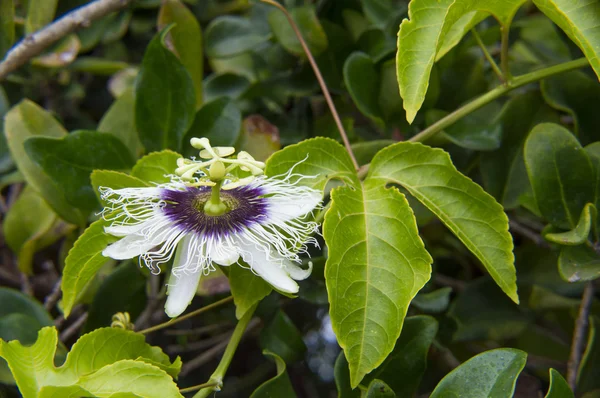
<point x="320" y="79"/>
<point x="579" y="335"/>
<point x="216" y="379"/>
<point x="186" y="316"/>
<point x="198" y="387"/>
<point x="487" y="55"/>
<point x="504" y="41"/>
<point x="37" y="42"/>
<point x="496" y="93"/>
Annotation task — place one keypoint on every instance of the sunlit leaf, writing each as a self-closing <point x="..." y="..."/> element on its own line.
<point x="580" y="233"/>
<point x="156" y="167"/>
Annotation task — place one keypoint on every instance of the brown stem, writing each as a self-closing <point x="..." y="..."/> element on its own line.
<point x="37" y="42"/>
<point x="320" y="79"/>
<point x="579" y="335"/>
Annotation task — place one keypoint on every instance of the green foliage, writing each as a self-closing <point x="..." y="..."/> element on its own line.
<point x="558" y="386"/>
<point x="104" y="362"/>
<point x="279" y="386"/>
<point x="309" y="25"/>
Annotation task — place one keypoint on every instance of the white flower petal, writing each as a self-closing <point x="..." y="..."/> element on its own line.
<point x="224" y="255"/>
<point x="272" y="272"/>
<point x="296" y="272"/>
<point x="129" y="247"/>
<point x="285" y="209"/>
<point x="182" y="287"/>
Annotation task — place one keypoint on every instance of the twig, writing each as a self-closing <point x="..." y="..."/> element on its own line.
<point x="320" y="79"/>
<point x="205" y="357"/>
<point x="198" y="331"/>
<point x="54" y="296"/>
<point x="73" y="328"/>
<point x="505" y="30"/>
<point x="151" y="305"/>
<point x="37" y="42"/>
<point x="529" y="234"/>
<point x="186" y="316"/>
<point x="198" y="387"/>
<point x="26" y="285"/>
<point x="579" y="334"/>
<point x="487" y="55"/>
<point x="196" y="345"/>
<point x="455" y="284"/>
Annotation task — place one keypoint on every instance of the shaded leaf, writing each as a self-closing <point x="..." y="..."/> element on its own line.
<point x="342" y="378"/>
<point x="379" y="389"/>
<point x="433" y="302"/>
<point x="228" y="35"/>
<point x="119" y="121"/>
<point x="282" y="338"/>
<point x="7" y="26"/>
<point x="186" y="38"/>
<point x="27" y="120"/>
<point x="490" y="374"/>
<point x="247" y="289"/>
<point x="259" y="137"/>
<point x="557" y="168"/>
<point x="309" y="25"/>
<point x="61" y="54"/>
<point x="581" y="23"/>
<point x="463" y="206"/>
<point x="558" y="386"/>
<point x="588" y="374"/>
<point x="278" y="386"/>
<point x="578" y="263"/>
<point x="371" y="278"/>
<point x="362" y="80"/>
<point x="165" y="100"/>
<point x="225" y="85"/>
<point x="580" y="233"/>
<point x="70" y="161"/>
<point x="39" y="14"/>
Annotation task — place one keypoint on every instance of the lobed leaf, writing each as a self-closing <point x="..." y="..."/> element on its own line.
<point x="463" y="206"/>
<point x="371" y="278"/>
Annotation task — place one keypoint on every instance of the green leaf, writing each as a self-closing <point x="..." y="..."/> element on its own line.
<point x="588" y="374"/>
<point x="7" y="26"/>
<point x="119" y="121"/>
<point x="482" y="312"/>
<point x="403" y="369"/>
<point x="433" y="302"/>
<point x="362" y="80"/>
<point x="278" y="386"/>
<point x="27" y="120"/>
<point x="580" y="23"/>
<point x="15" y="302"/>
<point x="220" y="121"/>
<point x="457" y="31"/>
<point x="491" y="374"/>
<point x="422" y="35"/>
<point x="475" y="131"/>
<point x="105" y="362"/>
<point x="463" y="206"/>
<point x="124" y="290"/>
<point x="379" y="389"/>
<point x="39" y="14"/>
<point x="309" y="25"/>
<point x="70" y="161"/>
<point x="282" y="338"/>
<point x="186" y="38"/>
<point x="227" y="36"/>
<point x="320" y="158"/>
<point x="259" y="137"/>
<point x="225" y="85"/>
<point x="247" y="289"/>
<point x="60" y="54"/>
<point x="27" y="222"/>
<point x="371" y="278"/>
<point x="558" y="386"/>
<point x="578" y="263"/>
<point x="580" y="233"/>
<point x="165" y="99"/>
<point x="503" y="171"/>
<point x="156" y="166"/>
<point x="558" y="168"/>
<point x="575" y="93"/>
<point x="114" y="180"/>
<point x="83" y="261"/>
<point x="377" y="44"/>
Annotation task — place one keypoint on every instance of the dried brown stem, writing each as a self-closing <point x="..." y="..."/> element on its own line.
<point x="37" y="42"/>
<point x="579" y="333"/>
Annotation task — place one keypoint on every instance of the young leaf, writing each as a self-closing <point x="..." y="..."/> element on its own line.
<point x="220" y="121"/>
<point x="247" y="289"/>
<point x="560" y="173"/>
<point x="580" y="233"/>
<point x="403" y="369"/>
<point x="165" y="100"/>
<point x="278" y="386"/>
<point x="186" y="38"/>
<point x="156" y="166"/>
<point x="421" y="37"/>
<point x="371" y="278"/>
<point x="581" y="23"/>
<point x="558" y="386"/>
<point x="578" y="263"/>
<point x="83" y="261"/>
<point x="463" y="206"/>
<point x="491" y="374"/>
<point x="27" y="120"/>
<point x="105" y="362"/>
<point x="322" y="159"/>
<point x="71" y="160"/>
